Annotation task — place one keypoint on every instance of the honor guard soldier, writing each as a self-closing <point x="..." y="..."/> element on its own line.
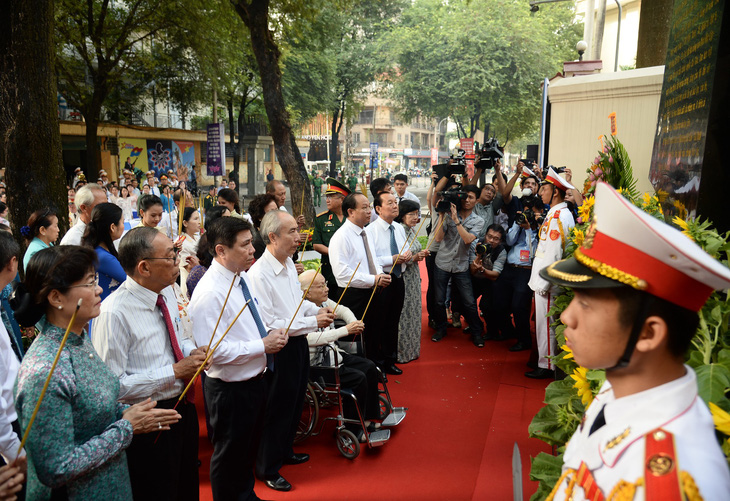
<point x="553" y="235"/>
<point x="325" y="225"/>
<point x="638" y="286"/>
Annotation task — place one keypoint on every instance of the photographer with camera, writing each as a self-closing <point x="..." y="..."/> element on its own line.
<point x="529" y="183"/>
<point x="554" y="233"/>
<point x="513" y="295"/>
<point x="458" y="231"/>
<point x="486" y="263"/>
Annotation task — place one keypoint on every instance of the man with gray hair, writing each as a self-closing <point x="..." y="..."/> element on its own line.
<point x="139" y="335"/>
<point x="86" y="199"/>
<point x="275" y="279"/>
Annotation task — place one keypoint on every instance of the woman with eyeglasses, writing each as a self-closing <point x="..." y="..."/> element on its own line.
<point x="409" y="325"/>
<point x="106" y="226"/>
<point x="76" y="445"/>
<point x="40" y="232"/>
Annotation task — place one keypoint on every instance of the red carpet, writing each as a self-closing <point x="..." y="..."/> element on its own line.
<point x="467" y="407"/>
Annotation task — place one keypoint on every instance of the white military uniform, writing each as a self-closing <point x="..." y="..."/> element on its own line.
<point x="554" y="234"/>
<point x="617" y="452"/>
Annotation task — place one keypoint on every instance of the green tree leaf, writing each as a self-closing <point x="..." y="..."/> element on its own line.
<point x="712" y="382"/>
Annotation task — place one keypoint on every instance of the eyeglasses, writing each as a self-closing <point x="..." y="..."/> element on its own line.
<point x="94" y="283"/>
<point x="170" y="258"/>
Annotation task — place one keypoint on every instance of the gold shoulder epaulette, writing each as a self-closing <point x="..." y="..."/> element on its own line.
<point x="322" y="213"/>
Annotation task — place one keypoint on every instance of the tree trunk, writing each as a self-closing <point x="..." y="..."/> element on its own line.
<point x="92" y="146"/>
<point x="337" y="118"/>
<point x="654" y="22"/>
<point x="256" y="18"/>
<point x="30" y="141"/>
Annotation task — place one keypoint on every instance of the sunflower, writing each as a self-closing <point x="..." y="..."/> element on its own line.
<point x="584" y="211"/>
<point x="721" y="418"/>
<point x="578" y="236"/>
<point x="568" y="352"/>
<point x="683" y="225"/>
<point x="582" y="385"/>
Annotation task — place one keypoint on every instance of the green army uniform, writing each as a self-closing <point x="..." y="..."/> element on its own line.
<point x="209" y="201"/>
<point x="325" y="225"/>
<point x="352" y="183"/>
<point x="317" y="182"/>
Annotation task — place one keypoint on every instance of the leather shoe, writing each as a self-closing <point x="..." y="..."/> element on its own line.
<point x="392" y="369"/>
<point x="438" y="336"/>
<point x="540" y="373"/>
<point x="478" y="341"/>
<point x="519" y="346"/>
<point x="278" y="484"/>
<point x="297" y="458"/>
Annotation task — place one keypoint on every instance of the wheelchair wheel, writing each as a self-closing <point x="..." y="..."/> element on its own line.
<point x="310" y="415"/>
<point x="384" y="407"/>
<point x="348" y="444"/>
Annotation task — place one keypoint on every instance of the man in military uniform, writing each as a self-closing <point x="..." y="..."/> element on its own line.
<point x="352" y="182"/>
<point x="210" y="199"/>
<point x="325" y="225"/>
<point x="553" y="235"/>
<point x="638" y="286"/>
<point x="317" y="183"/>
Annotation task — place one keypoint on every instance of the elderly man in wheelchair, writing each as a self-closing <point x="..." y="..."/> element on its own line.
<point x="357" y="375"/>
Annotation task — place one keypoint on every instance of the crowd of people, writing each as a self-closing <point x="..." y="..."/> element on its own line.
<point x="152" y="288"/>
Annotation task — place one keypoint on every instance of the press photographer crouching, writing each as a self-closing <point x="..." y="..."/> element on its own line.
<point x="486" y="262"/>
<point x="456" y="230"/>
<point x="513" y="295"/>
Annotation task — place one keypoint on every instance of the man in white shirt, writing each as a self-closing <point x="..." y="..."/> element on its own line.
<point x="139" y="335"/>
<point x="235" y="389"/>
<point x="278" y="190"/>
<point x="350" y="246"/>
<point x="9" y="361"/>
<point x="388" y="239"/>
<point x="400" y="183"/>
<point x="88" y="197"/>
<point x="275" y="279"/>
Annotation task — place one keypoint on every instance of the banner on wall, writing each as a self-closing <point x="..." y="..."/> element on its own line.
<point x="133" y="153"/>
<point x="159" y="156"/>
<point x="467" y="144"/>
<point x="183" y="159"/>
<point x="216" y="159"/>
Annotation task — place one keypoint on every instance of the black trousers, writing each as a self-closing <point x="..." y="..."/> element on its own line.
<point x="383" y="342"/>
<point x="357" y="300"/>
<point x="358" y="375"/>
<point x="431" y="290"/>
<point x="236" y="418"/>
<point x="167" y="469"/>
<point x="515" y="296"/>
<point x="288" y="383"/>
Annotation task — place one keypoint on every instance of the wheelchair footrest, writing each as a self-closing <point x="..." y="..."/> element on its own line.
<point x="395" y="417"/>
<point x="378" y="438"/>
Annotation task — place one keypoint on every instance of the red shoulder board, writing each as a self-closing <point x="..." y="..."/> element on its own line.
<point x="557" y="214"/>
<point x="330" y="218"/>
<point x="661" y="473"/>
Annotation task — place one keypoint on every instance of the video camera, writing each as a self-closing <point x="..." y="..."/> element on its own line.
<point x="458" y="166"/>
<point x="490" y="152"/>
<point x="454" y="195"/>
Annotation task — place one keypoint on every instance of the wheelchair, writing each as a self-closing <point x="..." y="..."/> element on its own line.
<point x="321" y="395"/>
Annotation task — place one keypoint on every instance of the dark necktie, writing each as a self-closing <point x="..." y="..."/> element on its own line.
<point x="371" y="262"/>
<point x="598" y="422"/>
<point x="190" y="396"/>
<point x="16" y="337"/>
<point x="257" y="318"/>
<point x="394" y="251"/>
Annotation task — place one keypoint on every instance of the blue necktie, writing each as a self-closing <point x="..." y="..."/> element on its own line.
<point x="394" y="250"/>
<point x="257" y="318"/>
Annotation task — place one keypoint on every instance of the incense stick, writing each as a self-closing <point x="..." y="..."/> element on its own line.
<point x="48" y="379"/>
<point x="300" y="302"/>
<point x="233" y="281"/>
<point x="434" y="233"/>
<point x="346" y="287"/>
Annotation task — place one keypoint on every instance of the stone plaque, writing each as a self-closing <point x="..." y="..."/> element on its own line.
<point x="687" y="170"/>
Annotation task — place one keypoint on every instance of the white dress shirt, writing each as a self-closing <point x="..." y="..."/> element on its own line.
<point x="240" y="356"/>
<point x="346" y="250"/>
<point x="130" y="335"/>
<point x="74" y="234"/>
<point x="9" y="365"/>
<point x="328" y="335"/>
<point x="279" y="294"/>
<point x="407" y="195"/>
<point x="379" y="234"/>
